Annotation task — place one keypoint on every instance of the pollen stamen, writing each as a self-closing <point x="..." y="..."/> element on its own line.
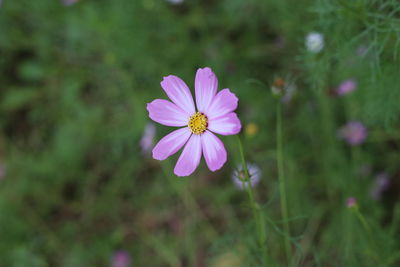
<point x="198" y="123"/>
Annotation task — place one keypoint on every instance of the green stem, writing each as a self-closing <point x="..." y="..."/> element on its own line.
<point x="282" y="183"/>
<point x="257" y="215"/>
<point x="363" y="222"/>
<point x="367" y="228"/>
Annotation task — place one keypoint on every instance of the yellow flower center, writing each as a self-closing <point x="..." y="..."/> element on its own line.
<point x="198" y="123"/>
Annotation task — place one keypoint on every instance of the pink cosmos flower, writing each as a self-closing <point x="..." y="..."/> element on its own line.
<point x="214" y="114"/>
<point x="346" y="87"/>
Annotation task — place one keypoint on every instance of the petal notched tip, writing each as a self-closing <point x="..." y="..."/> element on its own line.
<point x="214" y="151"/>
<point x="221" y="164"/>
<point x="206" y="73"/>
<point x="232" y="95"/>
<point x="205" y="69"/>
<point x="181" y="174"/>
<point x="150" y="107"/>
<point x="167" y="113"/>
<point x="223" y="103"/>
<point x="166" y="78"/>
<point x="238" y="126"/>
<point x="158" y="156"/>
<point x="228" y="124"/>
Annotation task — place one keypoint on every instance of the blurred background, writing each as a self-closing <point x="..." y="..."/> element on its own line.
<point x="78" y="186"/>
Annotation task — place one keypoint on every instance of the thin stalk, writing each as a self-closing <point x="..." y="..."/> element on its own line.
<point x="364" y="222"/>
<point x="282" y="182"/>
<point x="367" y="228"/>
<point x="257" y="215"/>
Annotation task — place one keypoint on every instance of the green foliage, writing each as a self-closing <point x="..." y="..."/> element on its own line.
<point x="75" y="81"/>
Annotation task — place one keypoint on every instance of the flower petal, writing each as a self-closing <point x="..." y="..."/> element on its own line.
<point x="167" y="113"/>
<point x="190" y="157"/>
<point x="223" y="103"/>
<point x="171" y="143"/>
<point x="205" y="84"/>
<point x="213" y="150"/>
<point x="179" y="93"/>
<point x="228" y="124"/>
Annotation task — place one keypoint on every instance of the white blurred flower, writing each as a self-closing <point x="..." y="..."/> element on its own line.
<point x="314" y="42"/>
<point x="175" y="2"/>
<point x="147" y="141"/>
<point x="238" y="176"/>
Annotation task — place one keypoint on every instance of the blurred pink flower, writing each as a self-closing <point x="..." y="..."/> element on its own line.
<point x="380" y="185"/>
<point x="351" y="202"/>
<point x="121" y="258"/>
<point x="214" y="114"/>
<point x="346" y="87"/>
<point x="354" y="133"/>
<point x="147" y="141"/>
<point x="69" y="2"/>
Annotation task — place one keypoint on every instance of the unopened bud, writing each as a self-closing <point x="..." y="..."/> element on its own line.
<point x="278" y="87"/>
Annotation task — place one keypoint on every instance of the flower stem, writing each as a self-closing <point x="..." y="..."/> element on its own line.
<point x="257" y="215"/>
<point x="282" y="183"/>
<point x="364" y="222"/>
<point x="374" y="247"/>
